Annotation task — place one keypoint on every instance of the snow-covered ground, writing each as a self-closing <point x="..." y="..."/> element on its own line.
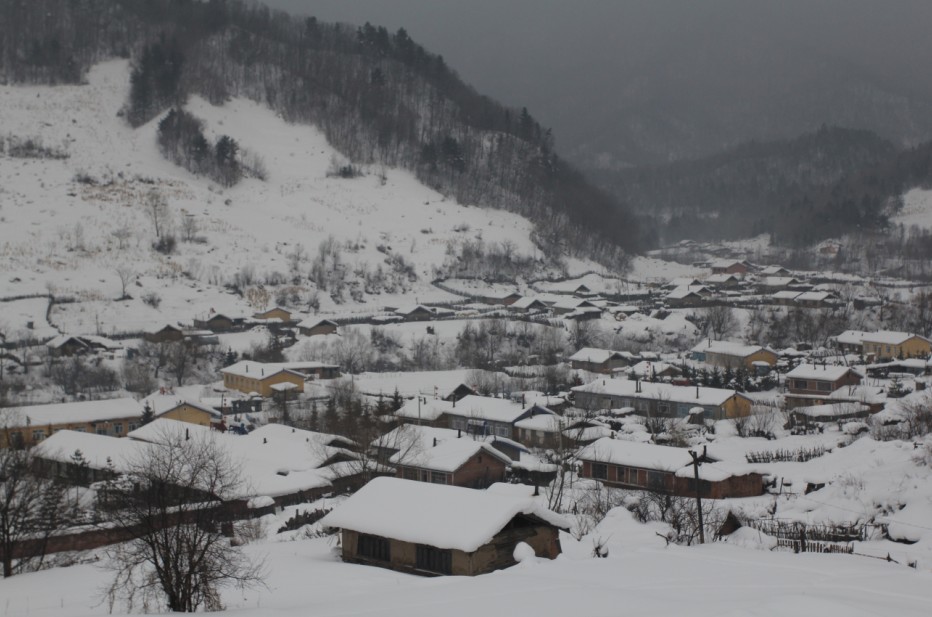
<point x="640" y="576"/>
<point x="917" y="209"/>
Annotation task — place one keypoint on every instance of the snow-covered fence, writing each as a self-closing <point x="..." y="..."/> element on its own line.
<point x="800" y="455"/>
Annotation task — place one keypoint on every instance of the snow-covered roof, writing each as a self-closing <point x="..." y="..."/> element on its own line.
<point x="307" y="365"/>
<point x="256" y="370"/>
<point x="443" y="516"/>
<point x="76" y="413"/>
<point x="872" y="395"/>
<point x="420" y="409"/>
<point x="646" y="369"/>
<point x="570" y="304"/>
<point x="310" y="322"/>
<point x="681" y="293"/>
<point x="786" y="295"/>
<point x="527" y="302"/>
<point x="814" y="296"/>
<point x="274" y="459"/>
<point x="727" y="348"/>
<point x="98" y="450"/>
<point x="818" y="372"/>
<point x="851" y="337"/>
<point x="723" y="277"/>
<point x="593" y="354"/>
<point x="658" y="391"/>
<point x="773" y="271"/>
<point x="636" y="454"/>
<point x="889" y="337"/>
<point x="832" y="410"/>
<point x="778" y="281"/>
<point x="447" y="455"/>
<point x="487" y="408"/>
<point x="541" y="422"/>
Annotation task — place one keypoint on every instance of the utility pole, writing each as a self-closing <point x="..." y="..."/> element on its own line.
<point x="698" y="496"/>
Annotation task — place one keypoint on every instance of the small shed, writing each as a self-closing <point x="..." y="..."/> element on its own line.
<point x="312" y="327"/>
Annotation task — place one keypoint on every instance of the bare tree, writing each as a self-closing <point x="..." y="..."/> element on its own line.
<point x="126" y="275"/>
<point x="31" y="508"/>
<point x="173" y="498"/>
<point x="719" y="321"/>
<point x="156" y="207"/>
<point x="122" y="234"/>
<point x="188" y="227"/>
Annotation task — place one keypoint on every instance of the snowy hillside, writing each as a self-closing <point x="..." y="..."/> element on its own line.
<point x="917" y="209"/>
<point x="62" y="218"/>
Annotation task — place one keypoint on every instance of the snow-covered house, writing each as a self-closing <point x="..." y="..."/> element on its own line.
<point x="890" y="345"/>
<point x="433" y="529"/>
<point x="165" y="334"/>
<point x="661" y="399"/>
<point x="652" y="371"/>
<point x="528" y="304"/>
<point x="459" y="462"/>
<point x="664" y="469"/>
<point x="729" y="266"/>
<point x="70" y="345"/>
<point x="276" y="312"/>
<point x="850" y="341"/>
<point x="811" y="384"/>
<point x="27" y="426"/>
<point x="599" y="360"/>
<point x="247" y="376"/>
<point x="313" y="327"/>
<point x="483" y="415"/>
<point x="730" y="354"/>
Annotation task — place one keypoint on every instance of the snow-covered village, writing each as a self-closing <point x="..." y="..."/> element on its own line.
<point x="263" y="352"/>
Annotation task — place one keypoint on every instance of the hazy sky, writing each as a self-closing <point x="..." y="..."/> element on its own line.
<point x="668" y="65"/>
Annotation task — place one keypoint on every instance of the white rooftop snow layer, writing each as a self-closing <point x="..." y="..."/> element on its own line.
<point x="443" y="516"/>
<point x="447" y="456"/>
<point x="593" y="354"/>
<point x="818" y="372"/>
<point x="77" y="413"/>
<point x="659" y="391"/>
<point x="727" y="348"/>
<point x="889" y="337"/>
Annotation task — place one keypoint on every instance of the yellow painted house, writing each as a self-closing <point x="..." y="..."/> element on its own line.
<point x="888" y="345"/>
<point x="193" y="413"/>
<point x="247" y="376"/>
<point x="274" y="313"/>
<point x="28" y="426"/>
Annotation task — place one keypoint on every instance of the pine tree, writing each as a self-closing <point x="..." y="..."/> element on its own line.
<point x="147" y="414"/>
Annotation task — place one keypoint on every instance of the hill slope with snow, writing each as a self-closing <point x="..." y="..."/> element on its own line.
<point x="61" y="217"/>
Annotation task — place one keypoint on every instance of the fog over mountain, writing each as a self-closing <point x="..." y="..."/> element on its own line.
<point x="629" y="82"/>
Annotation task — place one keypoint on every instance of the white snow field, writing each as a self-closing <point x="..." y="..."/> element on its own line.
<point x="57" y="233"/>
<point x="641" y="576"/>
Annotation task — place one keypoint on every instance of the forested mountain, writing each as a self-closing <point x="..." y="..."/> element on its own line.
<point x="800" y="190"/>
<point x="379" y="97"/>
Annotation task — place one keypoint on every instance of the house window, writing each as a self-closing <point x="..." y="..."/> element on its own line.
<point x="101" y="430"/>
<point x="38" y="435"/>
<point x="80" y="429"/>
<point x="599" y="471"/>
<point x="373" y="547"/>
<point x="133" y="426"/>
<point x="408" y="473"/>
<point x="503" y="431"/>
<point x="655" y="481"/>
<point x="118" y="428"/>
<point x="800" y="384"/>
<point x="824" y="386"/>
<point x="432" y="559"/>
<point x="439" y="478"/>
<point x="663" y="409"/>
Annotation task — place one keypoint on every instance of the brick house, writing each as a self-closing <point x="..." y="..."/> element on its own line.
<point x="463" y="532"/>
<point x="483" y="415"/>
<point x="661" y="400"/>
<point x="729" y="266"/>
<point x="165" y="334"/>
<point x="276" y="312"/>
<point x="459" y="462"/>
<point x="314" y="327"/>
<point x="599" y="360"/>
<point x="664" y="469"/>
<point x="810" y="384"/>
